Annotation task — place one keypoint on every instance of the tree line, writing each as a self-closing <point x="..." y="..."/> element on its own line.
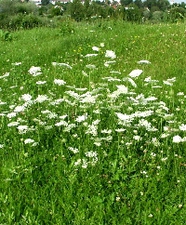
<point x="18" y="13"/>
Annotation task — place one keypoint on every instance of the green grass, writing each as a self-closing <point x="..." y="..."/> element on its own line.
<point x="102" y="150"/>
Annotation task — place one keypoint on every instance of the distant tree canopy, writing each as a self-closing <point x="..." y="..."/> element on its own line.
<point x="45" y="2"/>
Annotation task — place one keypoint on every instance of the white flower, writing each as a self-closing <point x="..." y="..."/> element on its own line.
<point x="180" y="94"/>
<point x="131" y="81"/>
<point x="91" y="154"/>
<point x="90" y="66"/>
<point x="151" y="98"/>
<point x="59" y="82"/>
<point x="19" y="108"/>
<point x="35" y="71"/>
<point x="16" y="63"/>
<point x="1" y="145"/>
<point x="22" y="129"/>
<point x="167" y="83"/>
<point x="11" y="115"/>
<point x="61" y="123"/>
<point x="61" y="64"/>
<point x="102" y="45"/>
<point x="94" y="48"/>
<point x="105" y="131"/>
<point x="13" y="124"/>
<point x="5" y="75"/>
<point x="110" y="54"/>
<point x="124" y="117"/>
<point x="182" y="127"/>
<point x="120" y="130"/>
<point x="28" y="141"/>
<point x="41" y="82"/>
<point x="2" y="103"/>
<point x="107" y="63"/>
<point x="144" y="62"/>
<point x="90" y="55"/>
<point x="82" y="118"/>
<point x="177" y="139"/>
<point x="74" y="150"/>
<point x="41" y="98"/>
<point x="88" y="98"/>
<point x="26" y="97"/>
<point x="135" y="73"/>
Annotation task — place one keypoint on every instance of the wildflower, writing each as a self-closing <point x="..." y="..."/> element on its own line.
<point x="117" y="198"/>
<point x="5" y="75"/>
<point x="2" y="103"/>
<point x="102" y="45"/>
<point x="59" y="82"/>
<point x="182" y="127"/>
<point x="61" y="64"/>
<point x="16" y="63"/>
<point x="106" y="131"/>
<point x="144" y="62"/>
<point x="35" y="71"/>
<point x="120" y="130"/>
<point x="110" y="79"/>
<point x="94" y="48"/>
<point x="135" y="73"/>
<point x="90" y="55"/>
<point x="28" y="141"/>
<point x="1" y="145"/>
<point x="177" y="139"/>
<point x="137" y="138"/>
<point x="150" y="215"/>
<point x="107" y="63"/>
<point x="13" y="124"/>
<point x="26" y="97"/>
<point x="130" y="81"/>
<point x="61" y="123"/>
<point x="124" y="117"/>
<point x="74" y="150"/>
<point x="88" y="98"/>
<point x="19" y="108"/>
<point x="22" y="129"/>
<point x="82" y="118"/>
<point x="11" y="115"/>
<point x="90" y="66"/>
<point x="180" y="94"/>
<point x="41" y="82"/>
<point x="41" y="98"/>
<point x="110" y="54"/>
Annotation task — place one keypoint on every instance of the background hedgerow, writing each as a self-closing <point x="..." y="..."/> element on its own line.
<point x="92" y="124"/>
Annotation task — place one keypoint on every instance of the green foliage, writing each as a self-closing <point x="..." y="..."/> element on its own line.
<point x="67" y="27"/>
<point x="132" y="13"/>
<point x="138" y="176"/>
<point x="77" y="10"/>
<point x="56" y="10"/>
<point x="5" y="36"/>
<point x="177" y="14"/>
<point x="157" y="16"/>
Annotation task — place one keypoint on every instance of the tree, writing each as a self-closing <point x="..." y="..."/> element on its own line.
<point x="126" y="2"/>
<point x="138" y="3"/>
<point x="77" y="10"/>
<point x="45" y="2"/>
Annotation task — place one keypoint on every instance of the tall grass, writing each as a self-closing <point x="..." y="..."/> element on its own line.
<point x="90" y="134"/>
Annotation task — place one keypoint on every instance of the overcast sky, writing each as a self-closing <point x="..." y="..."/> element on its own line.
<point x="177" y="1"/>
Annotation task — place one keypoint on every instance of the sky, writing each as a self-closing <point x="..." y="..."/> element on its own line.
<point x="177" y="1"/>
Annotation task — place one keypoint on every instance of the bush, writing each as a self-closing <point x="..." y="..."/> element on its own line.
<point x="5" y="36"/>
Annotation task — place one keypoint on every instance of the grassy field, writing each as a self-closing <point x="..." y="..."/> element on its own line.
<point x="93" y="125"/>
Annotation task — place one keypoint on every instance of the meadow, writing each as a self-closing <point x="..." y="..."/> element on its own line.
<point x="93" y="125"/>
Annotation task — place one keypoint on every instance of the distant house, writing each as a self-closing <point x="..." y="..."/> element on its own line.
<point x="60" y="1"/>
<point x="37" y="2"/>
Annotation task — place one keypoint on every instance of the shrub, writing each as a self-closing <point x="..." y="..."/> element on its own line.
<point x="5" y="36"/>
